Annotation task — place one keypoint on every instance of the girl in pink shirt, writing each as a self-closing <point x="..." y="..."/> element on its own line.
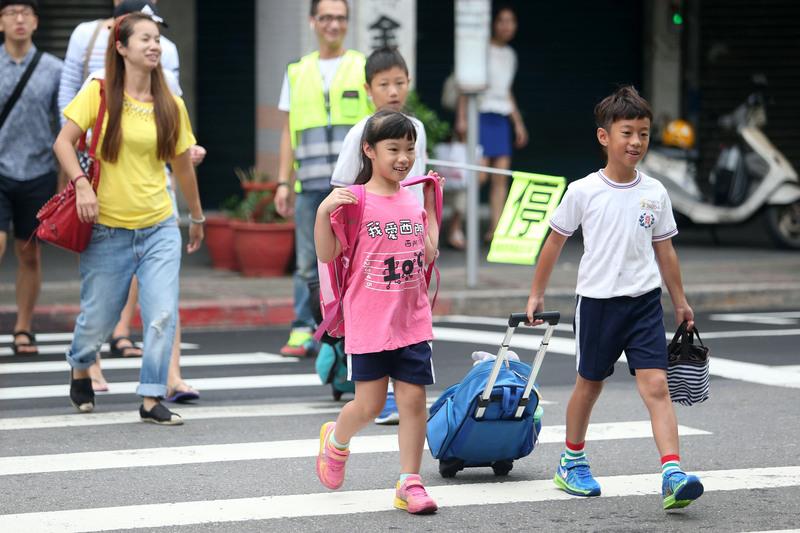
<point x="386" y="309"/>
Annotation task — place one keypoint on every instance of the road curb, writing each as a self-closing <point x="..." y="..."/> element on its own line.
<point x="237" y="313"/>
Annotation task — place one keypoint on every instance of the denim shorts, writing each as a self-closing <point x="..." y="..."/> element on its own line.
<point x="411" y="364"/>
<point x="605" y="327"/>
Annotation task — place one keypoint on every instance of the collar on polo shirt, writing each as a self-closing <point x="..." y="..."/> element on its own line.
<point x="5" y="56"/>
<point x="614" y="184"/>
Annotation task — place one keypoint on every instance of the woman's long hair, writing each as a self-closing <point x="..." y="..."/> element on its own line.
<point x="165" y="109"/>
<point x="385" y="124"/>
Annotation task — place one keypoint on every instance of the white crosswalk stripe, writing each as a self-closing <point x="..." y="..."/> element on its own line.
<point x="250" y="451"/>
<point x="369" y="501"/>
<point x="218" y="449"/>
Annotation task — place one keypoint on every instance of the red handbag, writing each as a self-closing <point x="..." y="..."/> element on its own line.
<point x="58" y="218"/>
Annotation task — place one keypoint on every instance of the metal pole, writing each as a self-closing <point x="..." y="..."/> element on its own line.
<point x="473" y="219"/>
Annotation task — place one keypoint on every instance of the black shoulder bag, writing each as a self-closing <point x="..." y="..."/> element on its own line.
<point x="23" y="81"/>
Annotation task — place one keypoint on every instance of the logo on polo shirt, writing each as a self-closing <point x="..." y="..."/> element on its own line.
<point x="647" y="219"/>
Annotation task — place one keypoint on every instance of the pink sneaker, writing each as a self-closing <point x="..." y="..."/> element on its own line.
<point x="411" y="496"/>
<point x="331" y="460"/>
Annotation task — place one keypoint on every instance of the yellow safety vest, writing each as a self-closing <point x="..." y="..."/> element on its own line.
<point x="318" y="122"/>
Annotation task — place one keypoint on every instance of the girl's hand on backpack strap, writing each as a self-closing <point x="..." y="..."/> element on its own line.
<point x="429" y="193"/>
<point x="338" y="197"/>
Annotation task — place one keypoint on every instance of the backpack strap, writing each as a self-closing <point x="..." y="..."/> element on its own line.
<point x="354" y="215"/>
<point x="438" y="203"/>
<point x="21" y="83"/>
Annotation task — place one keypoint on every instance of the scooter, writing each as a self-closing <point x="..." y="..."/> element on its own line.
<point x="750" y="176"/>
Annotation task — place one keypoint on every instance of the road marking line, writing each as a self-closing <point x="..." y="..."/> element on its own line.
<point x="49" y="349"/>
<point x="749" y="333"/>
<point x="371" y="501"/>
<point x="725" y="368"/>
<point x="222" y="359"/>
<point x="494" y="338"/>
<point x="488" y="321"/>
<point x="188" y="412"/>
<point x="203" y="384"/>
<point x="267" y="450"/>
<point x="789" y="318"/>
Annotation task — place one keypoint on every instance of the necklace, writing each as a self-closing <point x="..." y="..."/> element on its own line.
<point x="140" y="111"/>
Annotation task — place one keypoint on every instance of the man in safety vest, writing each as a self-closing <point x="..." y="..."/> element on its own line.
<point x="323" y="95"/>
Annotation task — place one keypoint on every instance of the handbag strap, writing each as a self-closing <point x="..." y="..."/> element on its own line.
<point x="98" y="126"/>
<point x="12" y="100"/>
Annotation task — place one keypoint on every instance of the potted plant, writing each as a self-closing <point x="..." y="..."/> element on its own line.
<point x="219" y="237"/>
<point x="263" y="240"/>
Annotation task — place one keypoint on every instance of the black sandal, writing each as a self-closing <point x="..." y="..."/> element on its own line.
<point x="31" y="342"/>
<point x="119" y="351"/>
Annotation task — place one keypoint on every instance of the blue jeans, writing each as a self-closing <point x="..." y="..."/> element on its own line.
<point x="305" y="214"/>
<point x="113" y="257"/>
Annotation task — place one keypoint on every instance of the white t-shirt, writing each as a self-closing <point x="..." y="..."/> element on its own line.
<point x="502" y="69"/>
<point x="349" y="162"/>
<point x="327" y="68"/>
<point x="620" y="224"/>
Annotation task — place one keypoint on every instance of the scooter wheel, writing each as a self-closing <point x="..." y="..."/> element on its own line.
<point x="450" y="467"/>
<point x="783" y="223"/>
<point x="502" y="468"/>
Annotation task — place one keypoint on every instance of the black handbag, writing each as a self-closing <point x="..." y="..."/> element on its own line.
<point x="687" y="367"/>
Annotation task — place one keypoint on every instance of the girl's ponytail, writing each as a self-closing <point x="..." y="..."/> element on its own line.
<point x="385" y="124"/>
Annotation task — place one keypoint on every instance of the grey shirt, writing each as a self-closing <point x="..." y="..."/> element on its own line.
<point x="26" y="138"/>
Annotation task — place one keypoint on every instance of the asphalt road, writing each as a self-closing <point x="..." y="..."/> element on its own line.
<point x="244" y="459"/>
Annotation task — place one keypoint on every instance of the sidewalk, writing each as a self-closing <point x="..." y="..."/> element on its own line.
<point x="719" y="277"/>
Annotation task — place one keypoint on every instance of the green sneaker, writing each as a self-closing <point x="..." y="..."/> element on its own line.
<point x="679" y="489"/>
<point x="300" y="344"/>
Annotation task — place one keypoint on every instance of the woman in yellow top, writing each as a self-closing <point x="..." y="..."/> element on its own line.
<point x="135" y="231"/>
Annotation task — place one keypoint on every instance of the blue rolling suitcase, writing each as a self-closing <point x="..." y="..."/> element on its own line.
<point x="488" y="418"/>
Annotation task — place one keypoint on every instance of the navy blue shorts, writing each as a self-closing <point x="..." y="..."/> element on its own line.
<point x="412" y="364"/>
<point x="605" y="327"/>
<point x="21" y="200"/>
<point x="494" y="131"/>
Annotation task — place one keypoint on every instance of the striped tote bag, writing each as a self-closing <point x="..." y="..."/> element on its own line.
<point x="687" y="370"/>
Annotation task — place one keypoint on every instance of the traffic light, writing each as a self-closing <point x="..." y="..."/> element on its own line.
<point x="676" y="15"/>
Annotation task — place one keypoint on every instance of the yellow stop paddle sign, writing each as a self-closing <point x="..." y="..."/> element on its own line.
<point x="524" y="222"/>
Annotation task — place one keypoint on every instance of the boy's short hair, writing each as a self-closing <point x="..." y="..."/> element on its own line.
<point x="623" y="104"/>
<point x="384" y="59"/>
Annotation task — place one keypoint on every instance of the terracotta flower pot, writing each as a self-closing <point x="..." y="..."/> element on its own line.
<point x="263" y="249"/>
<point x="250" y="186"/>
<point x="219" y="240"/>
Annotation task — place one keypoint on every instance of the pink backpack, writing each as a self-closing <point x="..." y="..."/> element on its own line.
<point x="334" y="276"/>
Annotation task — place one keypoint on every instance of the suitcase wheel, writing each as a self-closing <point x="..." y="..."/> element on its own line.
<point x="337" y="394"/>
<point x="450" y="467"/>
<point x="502" y="468"/>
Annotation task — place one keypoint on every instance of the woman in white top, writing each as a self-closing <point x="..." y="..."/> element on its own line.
<point x="499" y="113"/>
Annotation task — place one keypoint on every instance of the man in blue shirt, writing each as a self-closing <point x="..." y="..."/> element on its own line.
<point x="28" y="167"/>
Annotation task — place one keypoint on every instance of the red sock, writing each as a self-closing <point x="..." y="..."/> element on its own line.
<point x="574" y="451"/>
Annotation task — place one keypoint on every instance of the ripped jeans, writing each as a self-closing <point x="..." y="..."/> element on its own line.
<point x="113" y="257"/>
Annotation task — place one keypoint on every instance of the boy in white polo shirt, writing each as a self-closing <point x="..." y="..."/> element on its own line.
<point x="627" y="224"/>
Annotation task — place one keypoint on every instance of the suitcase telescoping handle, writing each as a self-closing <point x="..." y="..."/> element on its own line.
<point x="514" y="320"/>
<point x="551" y="317"/>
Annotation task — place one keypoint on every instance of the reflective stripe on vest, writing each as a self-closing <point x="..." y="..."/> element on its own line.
<point x="317" y="135"/>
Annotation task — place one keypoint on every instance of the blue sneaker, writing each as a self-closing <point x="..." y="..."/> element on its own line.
<point x="575" y="478"/>
<point x="679" y="489"/>
<point x="389" y="416"/>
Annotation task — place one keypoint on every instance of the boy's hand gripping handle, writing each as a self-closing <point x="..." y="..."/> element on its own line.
<point x="551" y="317"/>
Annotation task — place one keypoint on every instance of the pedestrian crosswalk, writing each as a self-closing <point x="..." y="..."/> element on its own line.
<point x="61" y="471"/>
